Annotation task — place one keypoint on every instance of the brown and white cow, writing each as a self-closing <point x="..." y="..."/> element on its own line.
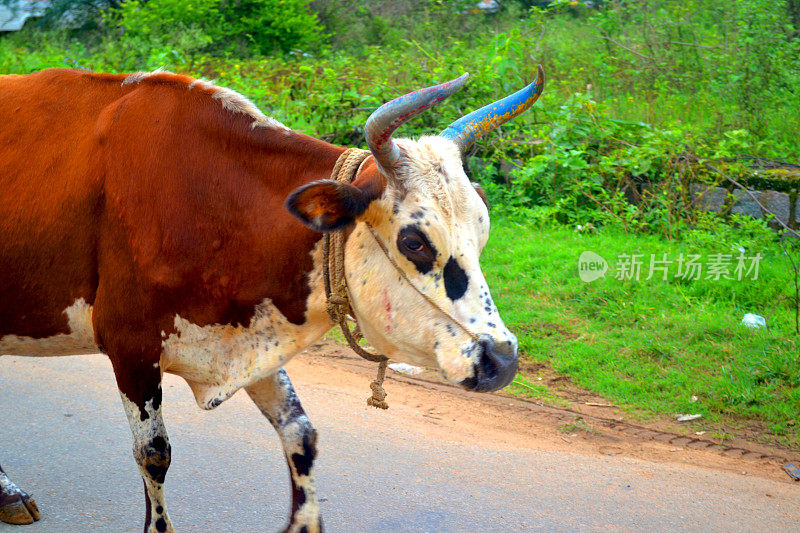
<point x="145" y="217"/>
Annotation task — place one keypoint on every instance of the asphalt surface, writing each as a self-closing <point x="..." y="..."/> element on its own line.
<point x="64" y="438"/>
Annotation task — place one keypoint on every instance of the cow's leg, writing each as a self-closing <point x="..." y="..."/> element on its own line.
<point x="275" y="397"/>
<point x="140" y="387"/>
<point x="16" y="507"/>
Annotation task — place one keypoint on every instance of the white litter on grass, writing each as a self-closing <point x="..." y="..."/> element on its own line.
<point x="686" y="418"/>
<point x="403" y="368"/>
<point x="754" y="321"/>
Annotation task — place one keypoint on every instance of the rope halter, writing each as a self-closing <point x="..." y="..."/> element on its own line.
<point x="338" y="299"/>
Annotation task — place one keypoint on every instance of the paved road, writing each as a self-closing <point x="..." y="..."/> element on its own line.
<point x="65" y="439"/>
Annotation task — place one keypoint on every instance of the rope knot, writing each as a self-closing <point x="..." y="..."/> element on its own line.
<point x="378" y="398"/>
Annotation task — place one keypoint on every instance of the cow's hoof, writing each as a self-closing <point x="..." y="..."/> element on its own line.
<point x="18" y="508"/>
<point x="297" y="528"/>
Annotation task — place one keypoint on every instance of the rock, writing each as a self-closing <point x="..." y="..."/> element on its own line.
<point x="403" y="368"/>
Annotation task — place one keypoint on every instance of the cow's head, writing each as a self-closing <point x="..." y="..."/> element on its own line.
<point x="413" y="202"/>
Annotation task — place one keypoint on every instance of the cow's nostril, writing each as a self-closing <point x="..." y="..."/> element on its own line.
<point x="496" y="366"/>
<point x="488" y="368"/>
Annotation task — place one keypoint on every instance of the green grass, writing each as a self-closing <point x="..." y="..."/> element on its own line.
<point x="651" y="346"/>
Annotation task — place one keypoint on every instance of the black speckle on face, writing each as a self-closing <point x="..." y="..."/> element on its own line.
<point x="491" y="324"/>
<point x="161" y="525"/>
<point x="455" y="280"/>
<point x="417" y="215"/>
<point x="159" y="510"/>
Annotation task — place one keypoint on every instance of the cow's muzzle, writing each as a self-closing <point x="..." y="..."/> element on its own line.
<point x="496" y="365"/>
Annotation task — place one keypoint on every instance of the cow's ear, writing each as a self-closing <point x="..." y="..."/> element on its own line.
<point x="327" y="205"/>
<point x="481" y="193"/>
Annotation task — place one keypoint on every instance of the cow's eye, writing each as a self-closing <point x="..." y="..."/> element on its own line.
<point x="414" y="244"/>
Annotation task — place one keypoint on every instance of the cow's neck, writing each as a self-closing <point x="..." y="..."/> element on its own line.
<point x="219" y="359"/>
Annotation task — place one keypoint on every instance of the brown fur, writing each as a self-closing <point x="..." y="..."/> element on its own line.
<point x="147" y="199"/>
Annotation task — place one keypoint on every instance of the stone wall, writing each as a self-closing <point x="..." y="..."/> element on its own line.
<point x="779" y="203"/>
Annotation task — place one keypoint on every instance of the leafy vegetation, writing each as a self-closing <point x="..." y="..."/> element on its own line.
<point x="644" y="103"/>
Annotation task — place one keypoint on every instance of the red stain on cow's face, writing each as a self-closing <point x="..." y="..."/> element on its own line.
<point x="387" y="307"/>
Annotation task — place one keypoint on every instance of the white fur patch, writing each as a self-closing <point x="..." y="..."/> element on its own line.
<point x="219" y="359"/>
<point x="230" y="99"/>
<point x="79" y="341"/>
<point x="138" y="77"/>
<point x="144" y="431"/>
<point x="7" y="486"/>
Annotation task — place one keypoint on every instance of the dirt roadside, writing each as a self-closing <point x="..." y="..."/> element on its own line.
<point x="429" y="406"/>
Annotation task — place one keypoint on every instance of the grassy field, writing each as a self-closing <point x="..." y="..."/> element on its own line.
<point x="652" y="346"/>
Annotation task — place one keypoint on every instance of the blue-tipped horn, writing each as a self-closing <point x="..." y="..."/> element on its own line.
<point x="469" y="128"/>
<point x="391" y="115"/>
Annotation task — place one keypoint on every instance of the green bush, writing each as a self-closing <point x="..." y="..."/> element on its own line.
<point x="272" y="25"/>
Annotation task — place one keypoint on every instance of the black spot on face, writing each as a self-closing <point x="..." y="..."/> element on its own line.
<point x="491" y="324"/>
<point x="161" y="525"/>
<point x="159" y="510"/>
<point x="417" y="215"/>
<point x="301" y="497"/>
<point x="455" y="280"/>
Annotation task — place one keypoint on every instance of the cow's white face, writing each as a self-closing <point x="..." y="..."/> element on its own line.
<point x="435" y="225"/>
<point x="427" y="302"/>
